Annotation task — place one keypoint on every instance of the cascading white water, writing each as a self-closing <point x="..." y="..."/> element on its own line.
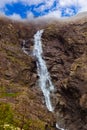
<point x="23" y="48"/>
<point x="44" y="77"/>
<point x="45" y="82"/>
<point x="57" y="126"/>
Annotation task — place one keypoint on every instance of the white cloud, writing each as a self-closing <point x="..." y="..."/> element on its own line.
<point x="81" y="6"/>
<point x="4" y="2"/>
<point x="27" y="2"/>
<point x="31" y="2"/>
<point x="55" y="14"/>
<point x="69" y="11"/>
<point x="15" y="17"/>
<point x="64" y="3"/>
<point x="30" y="15"/>
<point x="47" y="5"/>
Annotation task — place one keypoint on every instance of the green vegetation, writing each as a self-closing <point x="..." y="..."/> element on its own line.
<point x="8" y="94"/>
<point x="30" y="124"/>
<point x="6" y="115"/>
<point x="9" y="120"/>
<point x="34" y="124"/>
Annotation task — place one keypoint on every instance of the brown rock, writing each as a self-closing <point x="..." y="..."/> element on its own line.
<point x="65" y="52"/>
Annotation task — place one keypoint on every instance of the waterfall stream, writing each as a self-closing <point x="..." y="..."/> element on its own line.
<point x="45" y="82"/>
<point x="23" y="47"/>
<point x="44" y="77"/>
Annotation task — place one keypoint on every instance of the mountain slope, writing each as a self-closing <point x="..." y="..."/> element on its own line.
<point x="65" y="49"/>
<point x="18" y="78"/>
<point x="65" y="46"/>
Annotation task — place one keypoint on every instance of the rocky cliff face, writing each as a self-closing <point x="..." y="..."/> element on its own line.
<point x="65" y="52"/>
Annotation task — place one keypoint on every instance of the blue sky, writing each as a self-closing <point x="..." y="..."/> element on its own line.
<point x="29" y="9"/>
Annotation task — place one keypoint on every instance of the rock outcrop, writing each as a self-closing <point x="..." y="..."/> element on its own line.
<point x="65" y="52"/>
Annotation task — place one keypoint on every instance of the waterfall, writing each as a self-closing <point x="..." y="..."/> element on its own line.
<point x="45" y="82"/>
<point x="57" y="126"/>
<point x="23" y="47"/>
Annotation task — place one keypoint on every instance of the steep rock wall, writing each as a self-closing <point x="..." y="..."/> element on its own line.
<point x="65" y="50"/>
